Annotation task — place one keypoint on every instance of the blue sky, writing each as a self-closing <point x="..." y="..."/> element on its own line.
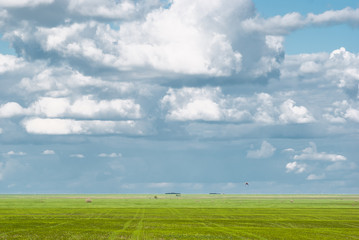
<point x="181" y="96"/>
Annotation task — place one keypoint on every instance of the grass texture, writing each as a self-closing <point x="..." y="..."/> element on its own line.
<point x="179" y="217"/>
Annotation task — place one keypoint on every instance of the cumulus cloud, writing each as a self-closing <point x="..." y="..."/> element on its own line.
<point x="86" y="107"/>
<point x="11" y="109"/>
<point x="265" y="151"/>
<point x="294" y="114"/>
<point x="62" y="81"/>
<point x="10" y="63"/>
<point x="352" y="114"/>
<point x="341" y="111"/>
<point x="23" y="3"/>
<point x="311" y="153"/>
<point x="210" y="104"/>
<point x="48" y="152"/>
<point x="296" y="167"/>
<point x="338" y="68"/>
<point x="207" y="40"/>
<point x="193" y="104"/>
<point x="185" y="50"/>
<point x="265" y="110"/>
<point x="55" y="126"/>
<point x="110" y="155"/>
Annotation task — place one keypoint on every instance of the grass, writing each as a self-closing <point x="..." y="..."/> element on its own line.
<point x="184" y="217"/>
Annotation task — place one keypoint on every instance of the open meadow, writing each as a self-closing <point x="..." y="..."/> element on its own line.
<point x="179" y="217"/>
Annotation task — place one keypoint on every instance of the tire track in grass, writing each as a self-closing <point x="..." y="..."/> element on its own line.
<point x="39" y="226"/>
<point x="138" y="233"/>
<point x="216" y="228"/>
<point x="230" y="231"/>
<point x="115" y="233"/>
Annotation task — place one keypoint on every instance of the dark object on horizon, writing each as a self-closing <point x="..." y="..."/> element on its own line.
<point x="247" y="184"/>
<point x="174" y="193"/>
<point x="213" y="193"/>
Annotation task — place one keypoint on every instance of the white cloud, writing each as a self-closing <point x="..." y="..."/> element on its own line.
<point x="104" y="8"/>
<point x="346" y="15"/>
<point x="64" y="81"/>
<point x="48" y="152"/>
<point x="165" y="43"/>
<point x="278" y="25"/>
<point x="11" y="109"/>
<point x="77" y="155"/>
<point x="208" y="104"/>
<point x="338" y="68"/>
<point x="55" y="126"/>
<point x="343" y="111"/>
<point x="206" y="40"/>
<point x="12" y="153"/>
<point x="309" y="67"/>
<point x="265" y="110"/>
<point x="294" y="114"/>
<point x="23" y="3"/>
<point x="265" y="151"/>
<point x="1" y="130"/>
<point x="84" y="107"/>
<point x="352" y="114"/>
<point x="193" y="104"/>
<point x="10" y="63"/>
<point x="288" y="150"/>
<point x="316" y="177"/>
<point x="296" y="167"/>
<point x="311" y="153"/>
<point x="282" y="25"/>
<point x="110" y="155"/>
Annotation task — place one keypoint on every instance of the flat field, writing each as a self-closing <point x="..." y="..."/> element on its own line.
<point x="179" y="217"/>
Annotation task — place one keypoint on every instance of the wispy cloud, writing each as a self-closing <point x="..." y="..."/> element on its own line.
<point x="110" y="155"/>
<point x="266" y="150"/>
<point x="311" y="153"/>
<point x="48" y="152"/>
<point x="77" y="155"/>
<point x="13" y="153"/>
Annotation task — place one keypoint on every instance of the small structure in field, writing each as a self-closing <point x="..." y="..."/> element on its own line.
<point x="88" y="200"/>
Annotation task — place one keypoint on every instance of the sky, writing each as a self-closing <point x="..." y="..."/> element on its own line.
<point x="190" y="96"/>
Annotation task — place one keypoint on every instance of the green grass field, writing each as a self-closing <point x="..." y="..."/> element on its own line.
<point x="184" y="217"/>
